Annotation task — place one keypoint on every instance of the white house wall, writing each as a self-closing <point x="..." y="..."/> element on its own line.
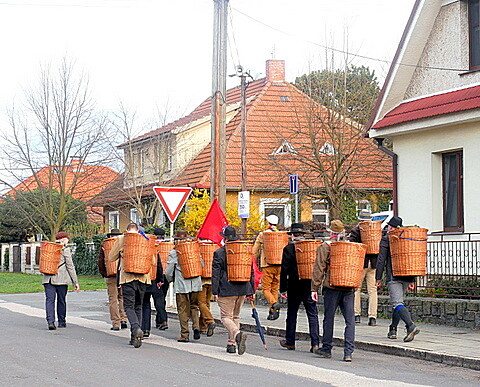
<point x="446" y="47"/>
<point x="420" y="172"/>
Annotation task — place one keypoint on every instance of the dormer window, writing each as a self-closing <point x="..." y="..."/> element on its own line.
<point x="327" y="149"/>
<point x="474" y="32"/>
<point x="284" y="98"/>
<point x="285" y="149"/>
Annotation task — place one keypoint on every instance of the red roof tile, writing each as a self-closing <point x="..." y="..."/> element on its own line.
<point x="435" y="105"/>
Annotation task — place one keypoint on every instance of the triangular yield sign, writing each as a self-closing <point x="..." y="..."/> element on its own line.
<point x="172" y="199"/>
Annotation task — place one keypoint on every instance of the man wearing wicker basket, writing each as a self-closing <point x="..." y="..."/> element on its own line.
<point x="333" y="297"/>
<point x="271" y="272"/>
<point x="397" y="286"/>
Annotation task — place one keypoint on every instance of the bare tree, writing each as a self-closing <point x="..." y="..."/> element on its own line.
<point x="58" y="123"/>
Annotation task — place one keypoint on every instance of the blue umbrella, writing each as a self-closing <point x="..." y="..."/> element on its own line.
<point x="259" y="326"/>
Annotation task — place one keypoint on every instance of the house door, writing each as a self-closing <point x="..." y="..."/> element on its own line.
<point x="17" y="263"/>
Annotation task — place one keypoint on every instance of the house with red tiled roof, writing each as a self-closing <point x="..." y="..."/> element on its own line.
<point x="82" y="181"/>
<point x="281" y="139"/>
<point x="429" y="108"/>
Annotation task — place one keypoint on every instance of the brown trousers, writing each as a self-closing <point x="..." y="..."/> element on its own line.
<point x="230" y="314"/>
<point x="115" y="302"/>
<point x="187" y="307"/>
<point x="369" y="274"/>
<point x="204" y="304"/>
<point x="271" y="283"/>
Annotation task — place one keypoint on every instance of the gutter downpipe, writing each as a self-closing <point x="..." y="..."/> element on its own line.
<point x="394" y="157"/>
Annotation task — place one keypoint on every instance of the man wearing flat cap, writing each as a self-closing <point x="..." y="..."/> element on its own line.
<point x="271" y="273"/>
<point x="333" y="297"/>
<point x="397" y="286"/>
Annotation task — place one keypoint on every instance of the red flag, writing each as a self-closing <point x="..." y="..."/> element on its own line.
<point x="213" y="224"/>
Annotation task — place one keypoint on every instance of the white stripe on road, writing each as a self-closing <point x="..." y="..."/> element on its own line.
<point x="292" y="368"/>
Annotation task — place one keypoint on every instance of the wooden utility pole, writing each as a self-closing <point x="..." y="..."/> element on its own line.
<point x="219" y="90"/>
<point x="243" y="128"/>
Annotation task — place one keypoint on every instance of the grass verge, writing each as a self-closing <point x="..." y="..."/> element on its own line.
<point x="30" y="283"/>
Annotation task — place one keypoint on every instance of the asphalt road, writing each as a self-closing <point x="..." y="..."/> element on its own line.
<point x="87" y="353"/>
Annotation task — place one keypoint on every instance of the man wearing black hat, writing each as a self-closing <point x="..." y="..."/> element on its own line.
<point x="230" y="295"/>
<point x="297" y="291"/>
<point x="397" y="286"/>
<point x="115" y="297"/>
<point x="161" y="318"/>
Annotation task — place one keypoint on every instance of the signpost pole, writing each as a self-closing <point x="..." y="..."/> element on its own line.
<point x="171" y="230"/>
<point x="296" y="208"/>
<point x="293" y="180"/>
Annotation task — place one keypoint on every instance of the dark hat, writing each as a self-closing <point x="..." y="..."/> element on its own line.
<point x="297" y="228"/>
<point x="229" y="233"/>
<point x="61" y="235"/>
<point x="113" y="232"/>
<point x="159" y="231"/>
<point x="180" y="234"/>
<point x="396" y="221"/>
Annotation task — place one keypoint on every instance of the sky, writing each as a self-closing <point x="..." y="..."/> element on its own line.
<point x="156" y="55"/>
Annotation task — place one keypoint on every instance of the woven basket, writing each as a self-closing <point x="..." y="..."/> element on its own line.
<point x="188" y="253"/>
<point x="273" y="244"/>
<point x="153" y="270"/>
<point x="206" y="253"/>
<point x="239" y="260"/>
<point x="137" y="254"/>
<point x="107" y="245"/>
<point x="371" y="235"/>
<point x="346" y="263"/>
<point x="306" y="253"/>
<point x="163" y="249"/>
<point x="50" y="254"/>
<point x="408" y="246"/>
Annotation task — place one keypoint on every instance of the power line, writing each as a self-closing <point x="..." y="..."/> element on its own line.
<point x="66" y="5"/>
<point x="344" y="51"/>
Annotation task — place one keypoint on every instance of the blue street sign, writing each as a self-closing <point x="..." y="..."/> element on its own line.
<point x="293" y="179"/>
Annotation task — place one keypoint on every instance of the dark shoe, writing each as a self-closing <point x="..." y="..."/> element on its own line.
<point x="392" y="333"/>
<point x="283" y="343"/>
<point x="275" y="311"/>
<point x="357" y="320"/>
<point x="270" y="315"/>
<point x="114" y="328"/>
<point x="51" y="326"/>
<point x="196" y="334"/>
<point x="313" y="348"/>
<point x="146" y="333"/>
<point x="162" y="326"/>
<point x="210" y="329"/>
<point x="183" y="340"/>
<point x="241" y="342"/>
<point x="324" y="354"/>
<point x="372" y="321"/>
<point x="231" y="348"/>
<point x="62" y="325"/>
<point x="137" y="338"/>
<point x="411" y="333"/>
<point x="347" y="358"/>
<point x="123" y="325"/>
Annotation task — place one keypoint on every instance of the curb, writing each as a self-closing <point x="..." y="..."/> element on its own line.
<point x="452" y="360"/>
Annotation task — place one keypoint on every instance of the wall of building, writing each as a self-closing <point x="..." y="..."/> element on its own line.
<point x="420" y="174"/>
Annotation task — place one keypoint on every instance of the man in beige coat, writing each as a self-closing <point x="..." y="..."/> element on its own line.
<point x="133" y="288"/>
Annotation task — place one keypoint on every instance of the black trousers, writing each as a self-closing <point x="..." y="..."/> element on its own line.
<point x="162" y="316"/>
<point x="133" y="294"/>
<point x="293" y="304"/>
<point x="333" y="299"/>
<point x="159" y="302"/>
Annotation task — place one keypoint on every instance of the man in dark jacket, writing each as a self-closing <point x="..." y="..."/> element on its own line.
<point x="369" y="267"/>
<point x="397" y="286"/>
<point x="297" y="291"/>
<point x="152" y="291"/>
<point x="230" y="295"/>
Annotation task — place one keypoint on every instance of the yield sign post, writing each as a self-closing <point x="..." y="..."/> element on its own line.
<point x="172" y="199"/>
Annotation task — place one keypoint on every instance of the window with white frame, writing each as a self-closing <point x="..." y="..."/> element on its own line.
<point x="169" y="156"/>
<point x="363" y="205"/>
<point x="277" y="206"/>
<point x="134" y="216"/>
<point x="114" y="220"/>
<point x="320" y="211"/>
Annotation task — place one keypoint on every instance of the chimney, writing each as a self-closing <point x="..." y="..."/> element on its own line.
<point x="275" y="70"/>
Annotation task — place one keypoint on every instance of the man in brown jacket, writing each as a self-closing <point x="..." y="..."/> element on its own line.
<point x="271" y="273"/>
<point x="333" y="297"/>
<point x="133" y="288"/>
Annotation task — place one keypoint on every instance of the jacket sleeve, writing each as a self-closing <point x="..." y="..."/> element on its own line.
<point x="69" y="265"/>
<point x="284" y="270"/>
<point x="382" y="257"/>
<point x="159" y="274"/>
<point x="320" y="266"/>
<point x="216" y="273"/>
<point x="355" y="235"/>
<point x="172" y="261"/>
<point x="102" y="268"/>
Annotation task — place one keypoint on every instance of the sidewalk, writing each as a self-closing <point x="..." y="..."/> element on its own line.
<point x="448" y="345"/>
